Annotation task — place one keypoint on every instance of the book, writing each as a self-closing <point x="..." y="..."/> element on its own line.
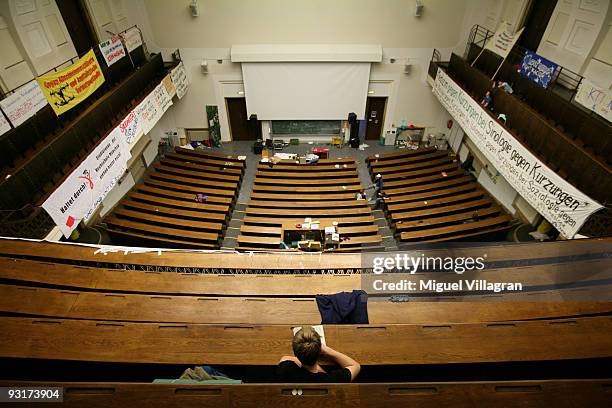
<point x="317" y="328"/>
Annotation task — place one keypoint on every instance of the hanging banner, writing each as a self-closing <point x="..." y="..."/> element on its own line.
<point x="537" y="68"/>
<point x="163" y="99"/>
<point x="131" y="127"/>
<point x="132" y="39"/>
<point x="179" y="79"/>
<point x="167" y="81"/>
<point x="67" y="88"/>
<point x="112" y="50"/>
<point x="559" y="202"/>
<point x="5" y="126"/>
<point x="23" y="103"/>
<point x="502" y="41"/>
<point x="595" y="98"/>
<point x="150" y="112"/>
<point x="85" y="188"/>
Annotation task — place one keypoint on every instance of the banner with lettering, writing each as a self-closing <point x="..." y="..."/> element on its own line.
<point x="84" y="189"/>
<point x="537" y="68"/>
<point x="131" y="127"/>
<point x="4" y="125"/>
<point x="179" y="79"/>
<point x="595" y="98"/>
<point x="150" y="112"/>
<point x="132" y="39"/>
<point x="23" y="103"/>
<point x="167" y="81"/>
<point x="67" y="88"/>
<point x="112" y="50"/>
<point x="555" y="199"/>
<point x="502" y="41"/>
<point x="163" y="99"/>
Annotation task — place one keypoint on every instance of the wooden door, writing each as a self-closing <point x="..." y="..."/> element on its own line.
<point x="375" y="116"/>
<point x="78" y="25"/>
<point x="238" y="120"/>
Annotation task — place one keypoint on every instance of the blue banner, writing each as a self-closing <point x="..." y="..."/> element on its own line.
<point x="538" y="69"/>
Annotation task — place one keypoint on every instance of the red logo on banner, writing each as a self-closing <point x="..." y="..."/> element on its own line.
<point x="70" y="221"/>
<point x="87" y="177"/>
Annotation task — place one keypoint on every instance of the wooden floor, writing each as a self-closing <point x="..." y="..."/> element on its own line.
<point x="284" y="194"/>
<point x="163" y="212"/>
<point x="430" y="199"/>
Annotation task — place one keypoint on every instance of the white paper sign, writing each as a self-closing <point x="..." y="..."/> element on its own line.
<point x="112" y="50"/>
<point x="163" y="99"/>
<point x="150" y="112"/>
<point x="179" y="79"/>
<point x="559" y="202"/>
<point x="131" y="127"/>
<point x="4" y="125"/>
<point x="502" y="41"/>
<point x="23" y="103"/>
<point x="85" y="188"/>
<point x="595" y="98"/>
<point x="167" y="81"/>
<point x="132" y="39"/>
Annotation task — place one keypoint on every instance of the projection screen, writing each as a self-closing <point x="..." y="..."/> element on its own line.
<point x="305" y="90"/>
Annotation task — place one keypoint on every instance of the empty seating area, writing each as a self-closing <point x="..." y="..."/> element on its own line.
<point x="162" y="211"/>
<point x="431" y="199"/>
<point x="61" y="145"/>
<point x="72" y="306"/>
<point x="286" y="193"/>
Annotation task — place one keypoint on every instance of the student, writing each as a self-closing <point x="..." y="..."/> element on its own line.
<point x="502" y="118"/>
<point x="304" y="367"/>
<point x="379" y="183"/>
<point x="505" y="86"/>
<point x="380" y="199"/>
<point x="487" y="101"/>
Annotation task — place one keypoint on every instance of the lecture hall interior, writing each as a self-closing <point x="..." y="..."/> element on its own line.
<point x="306" y="203"/>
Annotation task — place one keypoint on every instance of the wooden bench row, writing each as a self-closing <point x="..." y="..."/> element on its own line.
<point x="431" y="200"/>
<point x="566" y="393"/>
<point x="536" y="274"/>
<point x="215" y="309"/>
<point x="186" y="343"/>
<point x="285" y="193"/>
<point x="506" y="253"/>
<point x="163" y="211"/>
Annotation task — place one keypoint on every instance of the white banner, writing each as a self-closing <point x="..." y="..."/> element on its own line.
<point x="112" y="50"/>
<point x="85" y="188"/>
<point x="150" y="112"/>
<point x="163" y="99"/>
<point x="595" y="98"/>
<point x="131" y="127"/>
<point x="132" y="39"/>
<point x="179" y="79"/>
<point x="559" y="202"/>
<point x="502" y="41"/>
<point x="4" y="125"/>
<point x="23" y="103"/>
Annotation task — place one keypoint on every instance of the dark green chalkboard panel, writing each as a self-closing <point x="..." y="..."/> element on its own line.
<point x="306" y="127"/>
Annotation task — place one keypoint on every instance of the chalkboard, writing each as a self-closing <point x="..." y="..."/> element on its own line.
<point x="306" y="127"/>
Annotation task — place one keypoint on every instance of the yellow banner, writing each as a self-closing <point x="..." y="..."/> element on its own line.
<point x="67" y="88"/>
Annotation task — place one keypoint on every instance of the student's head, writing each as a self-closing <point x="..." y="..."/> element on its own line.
<point x="488" y="93"/>
<point x="378" y="176"/>
<point x="307" y="345"/>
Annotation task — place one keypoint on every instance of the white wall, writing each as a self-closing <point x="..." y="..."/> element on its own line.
<point x="391" y="23"/>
